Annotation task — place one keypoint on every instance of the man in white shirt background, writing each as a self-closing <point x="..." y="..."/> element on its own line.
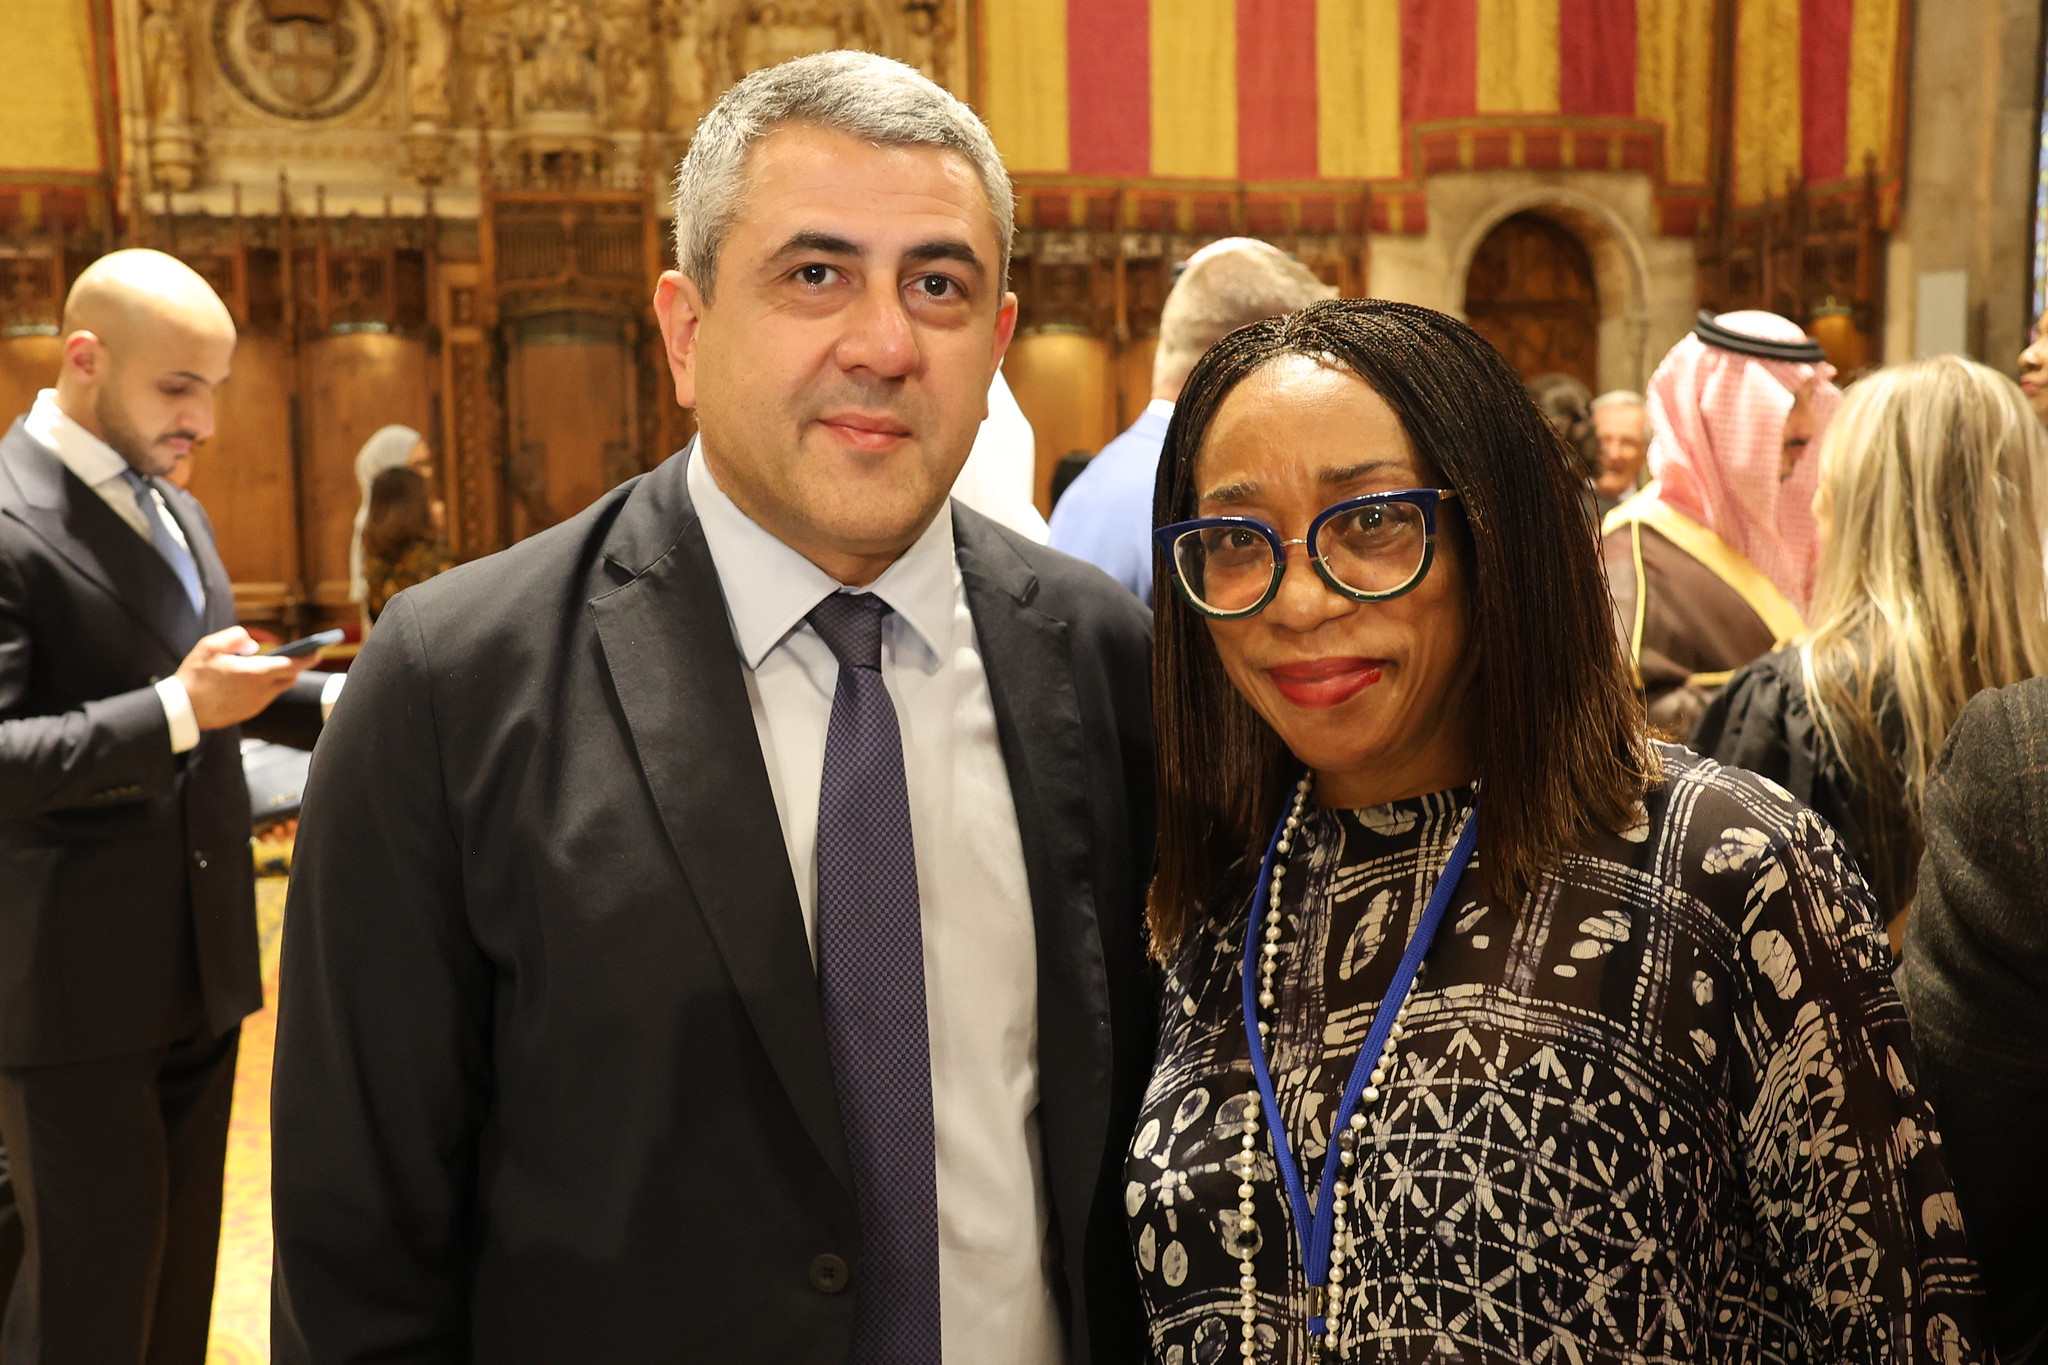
<point x="128" y="952"/>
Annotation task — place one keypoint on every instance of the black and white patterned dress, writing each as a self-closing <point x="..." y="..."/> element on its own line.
<point x="1666" y="1111"/>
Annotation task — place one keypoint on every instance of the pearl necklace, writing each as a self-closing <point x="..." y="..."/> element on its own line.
<point x="1350" y="1181"/>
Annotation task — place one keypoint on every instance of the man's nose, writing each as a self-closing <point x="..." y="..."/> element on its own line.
<point x="880" y="336"/>
<point x="198" y="417"/>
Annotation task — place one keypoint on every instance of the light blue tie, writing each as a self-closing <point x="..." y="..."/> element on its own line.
<point x="174" y="551"/>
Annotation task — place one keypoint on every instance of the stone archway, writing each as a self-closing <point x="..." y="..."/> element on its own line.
<point x="1621" y="272"/>
<point x="1531" y="292"/>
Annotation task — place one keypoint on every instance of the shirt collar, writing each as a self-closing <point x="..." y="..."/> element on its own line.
<point x="1162" y="408"/>
<point x="84" y="454"/>
<point x="770" y="588"/>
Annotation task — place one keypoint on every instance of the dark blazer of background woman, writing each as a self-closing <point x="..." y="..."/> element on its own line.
<point x="1975" y="982"/>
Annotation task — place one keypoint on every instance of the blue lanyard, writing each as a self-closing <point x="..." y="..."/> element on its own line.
<point x="1317" y="1232"/>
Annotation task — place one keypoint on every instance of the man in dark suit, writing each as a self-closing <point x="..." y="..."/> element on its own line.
<point x="716" y="923"/>
<point x="1975" y="981"/>
<point x="127" y="915"/>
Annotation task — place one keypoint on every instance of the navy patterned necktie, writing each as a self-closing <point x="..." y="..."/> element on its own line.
<point x="871" y="984"/>
<point x="178" y="556"/>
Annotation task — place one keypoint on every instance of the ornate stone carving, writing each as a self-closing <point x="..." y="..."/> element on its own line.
<point x="167" y="83"/>
<point x="682" y="34"/>
<point x="929" y="30"/>
<point x="426" y="61"/>
<point x="629" y="33"/>
<point x="557" y="77"/>
<point x="741" y="36"/>
<point x="576" y="94"/>
<point x="301" y="59"/>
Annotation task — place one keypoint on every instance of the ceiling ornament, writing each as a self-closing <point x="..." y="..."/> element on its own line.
<point x="301" y="59"/>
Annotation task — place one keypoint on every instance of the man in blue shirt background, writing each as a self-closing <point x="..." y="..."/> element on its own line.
<point x="1105" y="516"/>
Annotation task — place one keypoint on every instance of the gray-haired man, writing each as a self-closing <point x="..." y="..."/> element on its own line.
<point x="716" y="924"/>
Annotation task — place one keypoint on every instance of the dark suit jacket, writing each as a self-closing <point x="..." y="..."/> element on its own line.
<point x="552" y="1080"/>
<point x="127" y="908"/>
<point x="1975" y="982"/>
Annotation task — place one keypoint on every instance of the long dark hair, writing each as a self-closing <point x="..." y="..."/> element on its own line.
<point x="401" y="514"/>
<point x="1557" y="730"/>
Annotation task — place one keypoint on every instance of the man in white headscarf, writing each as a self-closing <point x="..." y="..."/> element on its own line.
<point x="392" y="447"/>
<point x="1712" y="564"/>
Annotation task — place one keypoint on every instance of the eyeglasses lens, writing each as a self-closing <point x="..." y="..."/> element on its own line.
<point x="1226" y="568"/>
<point x="1373" y="549"/>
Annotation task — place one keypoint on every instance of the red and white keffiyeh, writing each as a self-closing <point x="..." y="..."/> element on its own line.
<point x="1717" y="432"/>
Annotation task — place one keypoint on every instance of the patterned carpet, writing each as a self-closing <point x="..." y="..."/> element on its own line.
<point x="241" y="1298"/>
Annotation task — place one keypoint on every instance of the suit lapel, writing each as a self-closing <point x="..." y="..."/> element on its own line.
<point x="81" y="529"/>
<point x="1027" y="657"/>
<point x="668" y="645"/>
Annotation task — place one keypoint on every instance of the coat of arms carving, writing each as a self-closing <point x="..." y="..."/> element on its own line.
<point x="301" y="59"/>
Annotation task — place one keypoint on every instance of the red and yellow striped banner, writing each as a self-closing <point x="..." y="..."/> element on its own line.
<point x="1285" y="91"/>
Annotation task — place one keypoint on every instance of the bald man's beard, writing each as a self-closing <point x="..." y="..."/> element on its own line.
<point x="127" y="440"/>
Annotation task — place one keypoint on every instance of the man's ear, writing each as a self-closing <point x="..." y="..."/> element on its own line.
<point x="680" y="308"/>
<point x="85" y="359"/>
<point x="1006" y="330"/>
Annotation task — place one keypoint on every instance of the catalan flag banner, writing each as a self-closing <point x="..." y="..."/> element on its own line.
<point x="1388" y="91"/>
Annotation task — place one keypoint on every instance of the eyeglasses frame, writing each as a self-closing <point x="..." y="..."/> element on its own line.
<point x="1426" y="500"/>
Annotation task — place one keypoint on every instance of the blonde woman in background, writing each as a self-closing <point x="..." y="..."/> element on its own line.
<point x="1930" y="589"/>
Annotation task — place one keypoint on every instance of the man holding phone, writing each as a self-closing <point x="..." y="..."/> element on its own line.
<point x="128" y="953"/>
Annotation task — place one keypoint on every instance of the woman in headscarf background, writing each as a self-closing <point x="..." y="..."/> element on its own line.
<point x="1933" y="498"/>
<point x="391" y="447"/>
<point x="1712" y="565"/>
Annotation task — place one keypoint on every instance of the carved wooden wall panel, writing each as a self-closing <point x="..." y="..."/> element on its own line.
<point x="574" y="390"/>
<point x="355" y="383"/>
<point x="471" y="466"/>
<point x="27" y="364"/>
<point x="245" y="479"/>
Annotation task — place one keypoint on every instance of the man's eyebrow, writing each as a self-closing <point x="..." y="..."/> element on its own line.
<point x="947" y="249"/>
<point x="824" y="243"/>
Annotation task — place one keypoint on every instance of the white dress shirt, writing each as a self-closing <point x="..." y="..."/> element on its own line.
<point x="1000" y="477"/>
<point x="101" y="468"/>
<point x="996" y="1294"/>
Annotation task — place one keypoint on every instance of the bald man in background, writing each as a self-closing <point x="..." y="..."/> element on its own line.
<point x="1105" y="516"/>
<point x="128" y="952"/>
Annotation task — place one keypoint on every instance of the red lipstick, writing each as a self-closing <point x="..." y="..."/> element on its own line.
<point x="1325" y="682"/>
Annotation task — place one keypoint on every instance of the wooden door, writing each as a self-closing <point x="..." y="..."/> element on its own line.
<point x="1532" y="294"/>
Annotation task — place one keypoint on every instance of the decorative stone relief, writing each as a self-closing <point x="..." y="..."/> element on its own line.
<point x="574" y="94"/>
<point x="300" y="59"/>
<point x="167" y="87"/>
<point x="425" y="25"/>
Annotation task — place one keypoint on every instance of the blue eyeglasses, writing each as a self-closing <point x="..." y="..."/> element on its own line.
<point x="1368" y="549"/>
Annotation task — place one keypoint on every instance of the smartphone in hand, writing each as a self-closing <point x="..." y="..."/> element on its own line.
<point x="305" y="645"/>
